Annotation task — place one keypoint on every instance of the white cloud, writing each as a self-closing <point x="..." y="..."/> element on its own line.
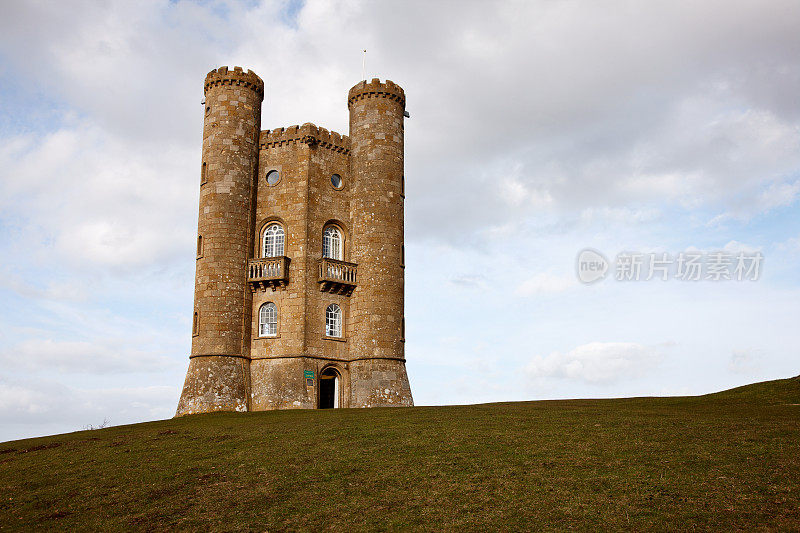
<point x="31" y="408"/>
<point x="49" y="289"/>
<point x="778" y="195"/>
<point x="86" y="196"/>
<point x="737" y="247"/>
<point x="596" y="363"/>
<point x="545" y="282"/>
<point x="791" y="245"/>
<point x="619" y="215"/>
<point x="744" y="362"/>
<point x="97" y="357"/>
<point x="470" y="281"/>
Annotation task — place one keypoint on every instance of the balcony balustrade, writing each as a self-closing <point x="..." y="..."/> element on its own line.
<point x="272" y="272"/>
<point x="338" y="277"/>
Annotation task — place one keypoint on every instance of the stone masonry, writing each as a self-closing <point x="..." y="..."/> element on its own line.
<point x="234" y="365"/>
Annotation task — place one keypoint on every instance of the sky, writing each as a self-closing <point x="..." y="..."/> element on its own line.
<point x="537" y="130"/>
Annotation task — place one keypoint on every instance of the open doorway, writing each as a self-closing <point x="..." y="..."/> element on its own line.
<point x="329" y="389"/>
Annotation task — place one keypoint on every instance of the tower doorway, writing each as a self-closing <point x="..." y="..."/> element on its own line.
<point x="329" y="389"/>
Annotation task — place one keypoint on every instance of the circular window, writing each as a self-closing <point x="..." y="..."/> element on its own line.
<point x="273" y="177"/>
<point x="336" y="181"/>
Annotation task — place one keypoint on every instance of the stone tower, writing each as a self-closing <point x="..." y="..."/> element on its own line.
<point x="299" y="284"/>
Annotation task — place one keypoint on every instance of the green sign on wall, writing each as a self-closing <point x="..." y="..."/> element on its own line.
<point x="308" y="374"/>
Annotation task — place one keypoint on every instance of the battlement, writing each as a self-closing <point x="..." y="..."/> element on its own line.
<point x="376" y="89"/>
<point x="307" y="134"/>
<point x="237" y="76"/>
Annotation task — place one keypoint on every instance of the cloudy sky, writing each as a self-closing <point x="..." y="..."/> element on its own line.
<point x="537" y="129"/>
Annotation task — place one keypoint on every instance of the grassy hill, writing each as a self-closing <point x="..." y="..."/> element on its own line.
<point x="729" y="460"/>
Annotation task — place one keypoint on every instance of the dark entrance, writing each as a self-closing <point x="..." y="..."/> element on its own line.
<point x="328" y="389"/>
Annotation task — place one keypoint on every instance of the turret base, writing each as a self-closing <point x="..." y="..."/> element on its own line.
<point x="214" y="383"/>
<point x="379" y="383"/>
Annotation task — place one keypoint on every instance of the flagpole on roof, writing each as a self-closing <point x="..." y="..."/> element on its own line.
<point x="364" y="66"/>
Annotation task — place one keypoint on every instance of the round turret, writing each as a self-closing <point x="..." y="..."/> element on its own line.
<point x="376" y="312"/>
<point x="217" y="376"/>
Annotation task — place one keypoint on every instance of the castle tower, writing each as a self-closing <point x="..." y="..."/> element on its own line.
<point x="300" y="275"/>
<point x="218" y="373"/>
<point x="377" y="310"/>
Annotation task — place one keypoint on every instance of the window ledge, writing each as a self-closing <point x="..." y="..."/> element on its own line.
<point x="266" y="337"/>
<point x="337" y="339"/>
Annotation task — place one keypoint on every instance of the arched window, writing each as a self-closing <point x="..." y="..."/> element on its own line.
<point x="333" y="321"/>
<point x="332" y="243"/>
<point x="273" y="240"/>
<point x="268" y="320"/>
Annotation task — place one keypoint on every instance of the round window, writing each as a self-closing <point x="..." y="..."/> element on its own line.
<point x="336" y="181"/>
<point x="273" y="177"/>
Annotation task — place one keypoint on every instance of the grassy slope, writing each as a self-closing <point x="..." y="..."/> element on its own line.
<point x="723" y="461"/>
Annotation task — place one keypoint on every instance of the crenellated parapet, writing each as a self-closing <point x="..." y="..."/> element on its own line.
<point x="237" y="76"/>
<point x="306" y="134"/>
<point x="376" y="89"/>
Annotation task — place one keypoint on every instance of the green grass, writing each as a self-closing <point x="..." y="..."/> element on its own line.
<point x="723" y="461"/>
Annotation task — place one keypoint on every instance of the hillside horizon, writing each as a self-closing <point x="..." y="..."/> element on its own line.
<point x="725" y="460"/>
<point x="107" y="423"/>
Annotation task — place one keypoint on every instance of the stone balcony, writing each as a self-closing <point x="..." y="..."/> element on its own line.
<point x="338" y="277"/>
<point x="272" y="272"/>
